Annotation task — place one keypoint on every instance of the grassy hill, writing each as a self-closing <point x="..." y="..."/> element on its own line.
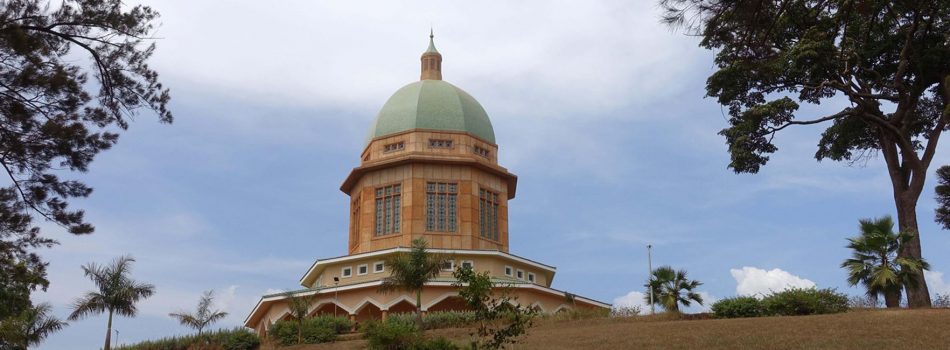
<point x="877" y="329"/>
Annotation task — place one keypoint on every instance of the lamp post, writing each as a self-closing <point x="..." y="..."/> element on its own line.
<point x="336" y="292"/>
<point x="650" y="276"/>
<point x="116" y="342"/>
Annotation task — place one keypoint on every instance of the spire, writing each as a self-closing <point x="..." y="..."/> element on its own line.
<point x="431" y="43"/>
<point x="431" y="61"/>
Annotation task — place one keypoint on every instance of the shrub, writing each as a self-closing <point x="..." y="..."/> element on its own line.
<point x="394" y="334"/>
<point x="241" y="339"/>
<point x="805" y="301"/>
<point x="439" y="343"/>
<point x="625" y="311"/>
<point x="942" y="300"/>
<point x="437" y="319"/>
<point x="226" y="339"/>
<point x="738" y="307"/>
<point x="320" y="329"/>
<point x="863" y="302"/>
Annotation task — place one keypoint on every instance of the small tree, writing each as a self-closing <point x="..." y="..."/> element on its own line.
<point x="202" y="317"/>
<point x="116" y="293"/>
<point x="476" y="289"/>
<point x="299" y="307"/>
<point x="671" y="288"/>
<point x="875" y="262"/>
<point x="410" y="272"/>
<point x="28" y="328"/>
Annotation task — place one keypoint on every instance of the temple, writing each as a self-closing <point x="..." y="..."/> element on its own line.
<point x="429" y="170"/>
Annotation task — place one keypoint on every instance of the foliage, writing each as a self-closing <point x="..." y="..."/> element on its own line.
<point x="741" y="306"/>
<point x="116" y="292"/>
<point x="53" y="119"/>
<point x="625" y="311"/>
<point x="29" y="328"/>
<point x="942" y="300"/>
<point x="875" y="262"/>
<point x="890" y="60"/>
<point x="437" y="319"/>
<point x="671" y="288"/>
<point x="393" y="334"/>
<point x="401" y="333"/>
<point x="942" y="196"/>
<point x="410" y="272"/>
<point x="863" y="302"/>
<point x="805" y="301"/>
<point x="225" y="339"/>
<point x="203" y="316"/>
<point x="299" y="306"/>
<point x="320" y="329"/>
<point x="500" y="319"/>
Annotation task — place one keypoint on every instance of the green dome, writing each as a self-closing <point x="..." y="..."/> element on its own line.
<point x="433" y="105"/>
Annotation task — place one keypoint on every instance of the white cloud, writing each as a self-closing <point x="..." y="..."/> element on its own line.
<point x="935" y="282"/>
<point x="758" y="282"/>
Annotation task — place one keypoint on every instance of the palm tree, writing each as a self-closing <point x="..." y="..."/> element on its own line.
<point x="875" y="263"/>
<point x="203" y="316"/>
<point x="671" y="288"/>
<point x="410" y="272"/>
<point x="28" y="328"/>
<point x="299" y="308"/>
<point x="117" y="293"/>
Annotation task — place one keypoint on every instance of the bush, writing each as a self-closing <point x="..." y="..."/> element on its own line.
<point x="625" y="311"/>
<point x="802" y="301"/>
<point x="863" y="302"/>
<point x="320" y="329"/>
<point x="942" y="300"/>
<point x="394" y="334"/>
<point x="738" y="307"/>
<point x="241" y="339"/>
<point x="437" y="319"/>
<point x="227" y="339"/>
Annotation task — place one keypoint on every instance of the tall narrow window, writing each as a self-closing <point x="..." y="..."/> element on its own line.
<point x="355" y="222"/>
<point x="488" y="214"/>
<point x="441" y="202"/>
<point x="387" y="210"/>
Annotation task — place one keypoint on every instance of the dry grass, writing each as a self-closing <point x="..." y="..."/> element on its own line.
<point x="878" y="329"/>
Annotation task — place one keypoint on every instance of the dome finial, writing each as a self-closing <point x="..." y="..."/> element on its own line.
<point x="431" y="42"/>
<point x="431" y="61"/>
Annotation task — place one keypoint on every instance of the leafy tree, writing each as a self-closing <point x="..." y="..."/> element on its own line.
<point x="411" y="271"/>
<point x="875" y="263"/>
<point x="74" y="72"/>
<point x="477" y="290"/>
<point x="672" y="288"/>
<point x="28" y="328"/>
<point x="890" y="60"/>
<point x="942" y="212"/>
<point x="202" y="317"/>
<point x="116" y="292"/>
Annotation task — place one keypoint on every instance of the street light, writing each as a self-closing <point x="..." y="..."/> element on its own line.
<point x="116" y="342"/>
<point x="336" y="292"/>
<point x="650" y="276"/>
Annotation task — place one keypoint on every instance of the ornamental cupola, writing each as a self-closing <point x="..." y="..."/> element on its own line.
<point x="431" y="61"/>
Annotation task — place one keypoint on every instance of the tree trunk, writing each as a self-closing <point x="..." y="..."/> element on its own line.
<point x="918" y="296"/>
<point x="892" y="298"/>
<point x="419" y="308"/>
<point x="108" y="334"/>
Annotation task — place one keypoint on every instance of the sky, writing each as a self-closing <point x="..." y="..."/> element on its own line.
<point x="597" y="107"/>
